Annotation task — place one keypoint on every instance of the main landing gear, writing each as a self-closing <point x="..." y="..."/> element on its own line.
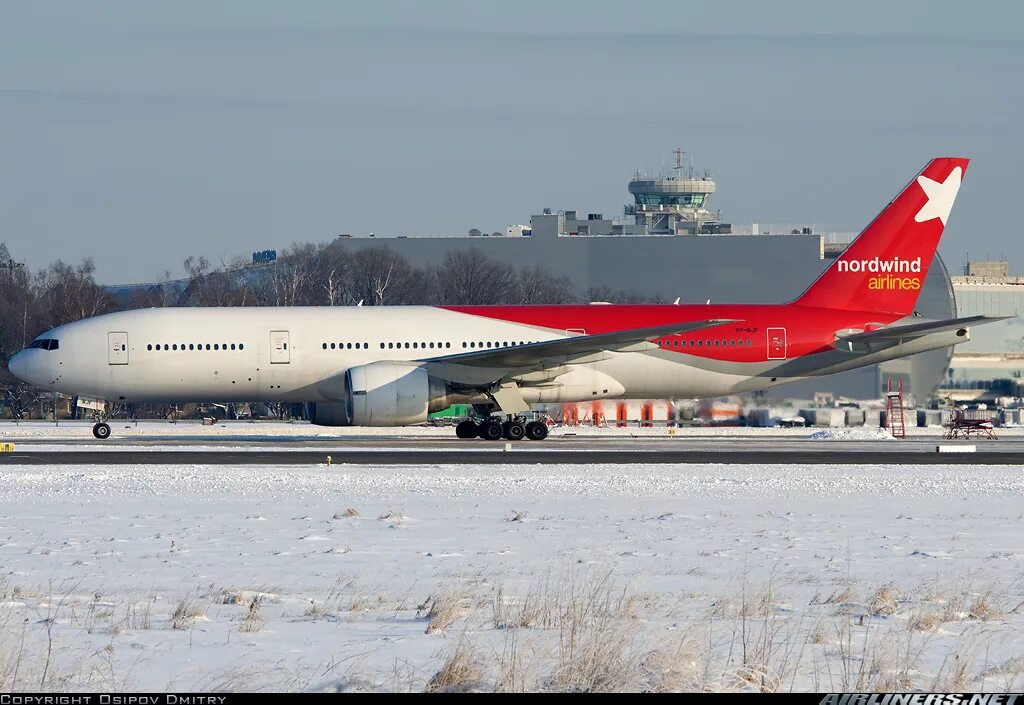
<point x="101" y="430"/>
<point x="514" y="429"/>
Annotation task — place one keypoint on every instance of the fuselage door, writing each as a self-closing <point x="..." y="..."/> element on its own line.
<point x="776" y="343"/>
<point x="279" y="352"/>
<point x="117" y="348"/>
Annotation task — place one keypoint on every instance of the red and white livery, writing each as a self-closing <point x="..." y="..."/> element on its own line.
<point x="392" y="365"/>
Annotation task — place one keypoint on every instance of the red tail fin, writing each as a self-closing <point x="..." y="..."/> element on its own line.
<point x="884" y="268"/>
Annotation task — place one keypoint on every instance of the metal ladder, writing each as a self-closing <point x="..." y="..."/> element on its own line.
<point x="894" y="418"/>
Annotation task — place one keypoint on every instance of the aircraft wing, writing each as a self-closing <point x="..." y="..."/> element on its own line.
<point x="557" y="351"/>
<point x="899" y="332"/>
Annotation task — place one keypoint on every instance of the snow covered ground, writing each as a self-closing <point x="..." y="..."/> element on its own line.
<point x="515" y="577"/>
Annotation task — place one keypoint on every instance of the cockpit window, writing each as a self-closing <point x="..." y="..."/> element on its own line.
<point x="45" y="344"/>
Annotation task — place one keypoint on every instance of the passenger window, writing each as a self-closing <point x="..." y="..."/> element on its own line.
<point x="382" y="346"/>
<point x="241" y="347"/>
<point x="447" y="345"/>
<point x="149" y="347"/>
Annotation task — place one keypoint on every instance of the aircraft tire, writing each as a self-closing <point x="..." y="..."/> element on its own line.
<point x="536" y="430"/>
<point x="490" y="430"/>
<point x="513" y="430"/>
<point x="467" y="429"/>
<point x="101" y="431"/>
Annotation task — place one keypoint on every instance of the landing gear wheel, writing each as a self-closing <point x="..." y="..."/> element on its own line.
<point x="490" y="430"/>
<point x="101" y="431"/>
<point x="467" y="429"/>
<point x="536" y="430"/>
<point x="513" y="430"/>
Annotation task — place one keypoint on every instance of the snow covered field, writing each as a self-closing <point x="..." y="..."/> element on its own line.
<point x="513" y="577"/>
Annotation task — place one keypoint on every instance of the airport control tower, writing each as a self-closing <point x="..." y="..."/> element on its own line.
<point x="676" y="204"/>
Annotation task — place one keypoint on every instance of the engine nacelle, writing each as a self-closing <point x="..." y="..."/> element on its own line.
<point x="394" y="394"/>
<point x="328" y="414"/>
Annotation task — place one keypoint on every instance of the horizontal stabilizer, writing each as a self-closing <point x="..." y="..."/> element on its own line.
<point x="535" y="353"/>
<point x="915" y="330"/>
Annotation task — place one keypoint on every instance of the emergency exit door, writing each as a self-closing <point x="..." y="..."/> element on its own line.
<point x="117" y="348"/>
<point x="776" y="343"/>
<point x="279" y="352"/>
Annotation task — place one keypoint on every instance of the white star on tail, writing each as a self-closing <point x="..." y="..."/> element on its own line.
<point x="940" y="196"/>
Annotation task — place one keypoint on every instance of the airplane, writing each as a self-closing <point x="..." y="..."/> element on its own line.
<point x="393" y="365"/>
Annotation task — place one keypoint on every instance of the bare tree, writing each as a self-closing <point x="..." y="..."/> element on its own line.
<point x="536" y="285"/>
<point x="69" y="293"/>
<point x="470" y="277"/>
<point x="380" y="276"/>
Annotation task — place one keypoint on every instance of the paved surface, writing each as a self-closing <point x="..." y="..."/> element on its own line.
<point x="474" y="453"/>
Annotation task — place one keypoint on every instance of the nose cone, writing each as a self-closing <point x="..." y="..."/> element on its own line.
<point x="22" y="367"/>
<point x="18" y="366"/>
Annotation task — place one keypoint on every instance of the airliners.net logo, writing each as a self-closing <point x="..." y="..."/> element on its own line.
<point x="886" y="272"/>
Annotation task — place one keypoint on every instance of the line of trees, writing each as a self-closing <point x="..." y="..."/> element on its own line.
<point x="306" y="274"/>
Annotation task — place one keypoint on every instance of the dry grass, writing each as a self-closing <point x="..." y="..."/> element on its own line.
<point x="884" y="602"/>
<point x="349" y="513"/>
<point x="982" y="608"/>
<point x="442" y="610"/>
<point x="186" y="612"/>
<point x="579" y="632"/>
<point x="253" y="619"/>
<point x="677" y="666"/>
<point x="462" y="672"/>
<point x="394" y="517"/>
<point x="925" y="622"/>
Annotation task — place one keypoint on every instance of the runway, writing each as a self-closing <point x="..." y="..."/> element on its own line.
<point x="282" y="444"/>
<point x="922" y="454"/>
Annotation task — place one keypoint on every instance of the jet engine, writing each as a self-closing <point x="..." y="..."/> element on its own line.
<point x="385" y="393"/>
<point x="329" y="413"/>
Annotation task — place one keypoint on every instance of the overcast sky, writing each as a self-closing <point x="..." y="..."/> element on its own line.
<point x="140" y="133"/>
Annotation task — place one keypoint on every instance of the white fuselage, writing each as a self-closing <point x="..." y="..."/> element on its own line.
<point x="299" y="355"/>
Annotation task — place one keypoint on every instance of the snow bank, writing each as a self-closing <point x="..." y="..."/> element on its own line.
<point x="855" y="433"/>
